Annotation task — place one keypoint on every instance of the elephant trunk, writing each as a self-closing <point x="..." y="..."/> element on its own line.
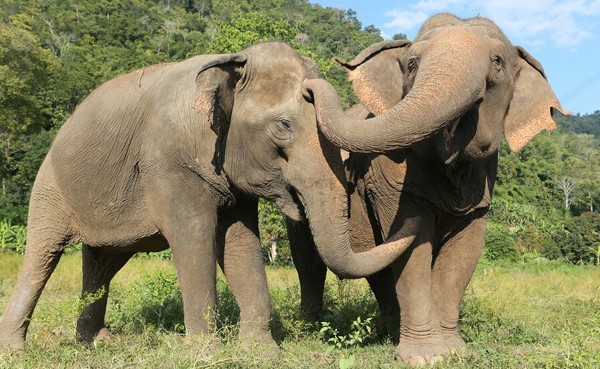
<point x="326" y="207"/>
<point x="448" y="83"/>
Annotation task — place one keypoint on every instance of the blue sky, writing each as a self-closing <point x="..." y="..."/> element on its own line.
<point x="563" y="35"/>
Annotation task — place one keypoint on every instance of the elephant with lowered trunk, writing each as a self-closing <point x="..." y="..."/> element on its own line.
<point x="175" y="155"/>
<point x="429" y="155"/>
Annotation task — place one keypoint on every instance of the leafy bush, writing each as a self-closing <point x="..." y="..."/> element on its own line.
<point x="500" y="243"/>
<point x="579" y="242"/>
<point x="12" y="237"/>
<point x="273" y="234"/>
<point x="153" y="302"/>
<point x="360" y="331"/>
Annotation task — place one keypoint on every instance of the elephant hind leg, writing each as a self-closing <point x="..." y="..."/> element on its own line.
<point x="383" y="286"/>
<point x="99" y="267"/>
<point x="47" y="237"/>
<point x="310" y="268"/>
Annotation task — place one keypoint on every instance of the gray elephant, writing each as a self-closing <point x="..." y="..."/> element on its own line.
<point x="440" y="104"/>
<point x="175" y="155"/>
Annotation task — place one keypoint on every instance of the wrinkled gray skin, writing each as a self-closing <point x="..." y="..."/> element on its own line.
<point x="175" y="155"/>
<point x="440" y="104"/>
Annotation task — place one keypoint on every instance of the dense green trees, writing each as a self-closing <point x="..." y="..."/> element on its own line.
<point x="53" y="53"/>
<point x="25" y="111"/>
<point x="546" y="191"/>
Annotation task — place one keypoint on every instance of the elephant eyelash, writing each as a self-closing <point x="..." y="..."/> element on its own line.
<point x="497" y="60"/>
<point x="286" y="123"/>
<point x="413" y="63"/>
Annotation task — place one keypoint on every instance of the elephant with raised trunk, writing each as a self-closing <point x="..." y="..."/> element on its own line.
<point x="175" y="155"/>
<point x="439" y="106"/>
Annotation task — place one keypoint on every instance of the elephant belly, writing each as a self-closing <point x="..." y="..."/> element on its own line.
<point x="152" y="243"/>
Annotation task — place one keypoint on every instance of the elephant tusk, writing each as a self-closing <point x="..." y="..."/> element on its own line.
<point x="449" y="133"/>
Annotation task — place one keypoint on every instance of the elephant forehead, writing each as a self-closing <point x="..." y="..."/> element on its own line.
<point x="255" y="109"/>
<point x="275" y="87"/>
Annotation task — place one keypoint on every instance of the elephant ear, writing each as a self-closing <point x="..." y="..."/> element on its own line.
<point x="530" y="110"/>
<point x="215" y="88"/>
<point x="377" y="75"/>
<point x="215" y="84"/>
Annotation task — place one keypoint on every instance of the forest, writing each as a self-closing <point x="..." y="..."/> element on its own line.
<point x="53" y="53"/>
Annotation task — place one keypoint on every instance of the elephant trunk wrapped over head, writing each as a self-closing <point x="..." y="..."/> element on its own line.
<point x="446" y="75"/>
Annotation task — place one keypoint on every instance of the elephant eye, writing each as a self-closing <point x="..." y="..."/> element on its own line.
<point x="496" y="70"/>
<point x="282" y="130"/>
<point x="498" y="61"/>
<point x="285" y="123"/>
<point x="413" y="64"/>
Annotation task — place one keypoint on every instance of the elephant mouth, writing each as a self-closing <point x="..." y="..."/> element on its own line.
<point x="448" y="135"/>
<point x="291" y="205"/>
<point x="457" y="136"/>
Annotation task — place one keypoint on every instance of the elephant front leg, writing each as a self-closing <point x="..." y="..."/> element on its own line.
<point x="195" y="261"/>
<point x="421" y="339"/>
<point x="452" y="271"/>
<point x="243" y="266"/>
<point x="187" y="218"/>
<point x="193" y="245"/>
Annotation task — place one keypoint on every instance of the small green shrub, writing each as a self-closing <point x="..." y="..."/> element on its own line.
<point x="500" y="243"/>
<point x="360" y="331"/>
<point x="12" y="237"/>
<point x="153" y="302"/>
<point x="579" y="242"/>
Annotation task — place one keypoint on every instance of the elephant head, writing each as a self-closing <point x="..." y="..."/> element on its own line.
<point x="460" y="83"/>
<point x="269" y="145"/>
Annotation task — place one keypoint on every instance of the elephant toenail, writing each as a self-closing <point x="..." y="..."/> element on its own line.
<point x="436" y="359"/>
<point x="417" y="361"/>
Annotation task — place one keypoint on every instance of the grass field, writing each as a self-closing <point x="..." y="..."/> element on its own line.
<point x="537" y="315"/>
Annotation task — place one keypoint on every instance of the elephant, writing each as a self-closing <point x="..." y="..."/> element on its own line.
<point x="176" y="155"/>
<point x="429" y="154"/>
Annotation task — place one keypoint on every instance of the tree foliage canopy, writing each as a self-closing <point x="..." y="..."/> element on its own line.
<point x="53" y="53"/>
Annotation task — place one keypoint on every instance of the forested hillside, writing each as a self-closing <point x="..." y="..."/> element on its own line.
<point x="53" y="53"/>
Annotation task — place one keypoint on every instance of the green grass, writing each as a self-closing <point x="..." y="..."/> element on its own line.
<point x="538" y="315"/>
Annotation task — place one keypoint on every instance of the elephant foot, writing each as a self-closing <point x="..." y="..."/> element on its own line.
<point x="261" y="345"/>
<point x="310" y="312"/>
<point x="11" y="340"/>
<point x="421" y="351"/>
<point x="454" y="341"/>
<point x="204" y="347"/>
<point x="89" y="335"/>
<point x="104" y="335"/>
<point x="10" y="345"/>
<point x="310" y="315"/>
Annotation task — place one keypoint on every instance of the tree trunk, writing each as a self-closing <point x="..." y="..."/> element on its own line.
<point x="273" y="250"/>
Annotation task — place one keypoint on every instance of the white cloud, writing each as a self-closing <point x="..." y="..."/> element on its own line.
<point x="403" y="19"/>
<point x="439" y="5"/>
<point x="385" y="36"/>
<point x="563" y="23"/>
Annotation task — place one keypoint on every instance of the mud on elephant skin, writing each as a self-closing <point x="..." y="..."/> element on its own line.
<point x="175" y="155"/>
<point x="441" y="105"/>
